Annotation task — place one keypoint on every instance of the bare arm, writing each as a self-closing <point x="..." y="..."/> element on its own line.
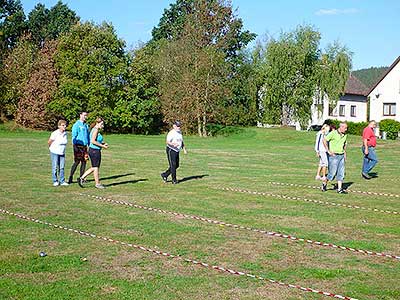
<point x="94" y="139"/>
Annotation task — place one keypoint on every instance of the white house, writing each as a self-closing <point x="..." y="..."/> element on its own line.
<point x="385" y="95"/>
<point x="352" y="106"/>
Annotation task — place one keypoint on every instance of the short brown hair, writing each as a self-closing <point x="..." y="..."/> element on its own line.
<point x="61" y="122"/>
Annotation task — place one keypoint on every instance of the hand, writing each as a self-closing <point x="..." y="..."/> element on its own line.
<point x="184" y="150"/>
<point x="317" y="154"/>
<point x="331" y="153"/>
<point x="105" y="146"/>
<point x="366" y="151"/>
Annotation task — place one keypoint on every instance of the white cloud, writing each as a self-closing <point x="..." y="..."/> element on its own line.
<point x="335" y="11"/>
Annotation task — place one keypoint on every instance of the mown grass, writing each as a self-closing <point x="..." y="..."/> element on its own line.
<point x="78" y="267"/>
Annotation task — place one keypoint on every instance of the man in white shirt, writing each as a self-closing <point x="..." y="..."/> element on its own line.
<point x="174" y="146"/>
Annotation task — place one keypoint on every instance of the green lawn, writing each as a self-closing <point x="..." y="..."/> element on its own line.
<point x="78" y="267"/>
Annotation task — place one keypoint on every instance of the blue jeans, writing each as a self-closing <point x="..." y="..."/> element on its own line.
<point x="336" y="167"/>
<point x="370" y="160"/>
<point x="57" y="162"/>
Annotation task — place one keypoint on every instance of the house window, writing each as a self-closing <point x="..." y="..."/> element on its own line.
<point x="341" y="110"/>
<point x="389" y="109"/>
<point x="353" y="111"/>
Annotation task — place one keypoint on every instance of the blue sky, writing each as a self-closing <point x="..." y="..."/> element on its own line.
<point x="369" y="28"/>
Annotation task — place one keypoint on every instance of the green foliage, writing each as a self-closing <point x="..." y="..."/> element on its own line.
<point x="92" y="65"/>
<point x="370" y="76"/>
<point x="12" y="24"/>
<point x="391" y="127"/>
<point x="47" y="24"/>
<point x="222" y="130"/>
<point x="17" y="69"/>
<point x="241" y="107"/>
<point x="173" y="20"/>
<point x="291" y="66"/>
<point x="137" y="108"/>
<point x="334" y="69"/>
<point x="292" y="70"/>
<point x="355" y="128"/>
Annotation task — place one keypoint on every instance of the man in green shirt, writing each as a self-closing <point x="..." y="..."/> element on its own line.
<point x="337" y="156"/>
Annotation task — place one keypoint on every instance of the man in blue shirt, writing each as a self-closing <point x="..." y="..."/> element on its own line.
<point x="80" y="142"/>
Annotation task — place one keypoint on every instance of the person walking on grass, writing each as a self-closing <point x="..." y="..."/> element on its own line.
<point x="57" y="144"/>
<point x="321" y="152"/>
<point x="96" y="144"/>
<point x="337" y="156"/>
<point x="174" y="146"/>
<point x="368" y="150"/>
<point x="80" y="142"/>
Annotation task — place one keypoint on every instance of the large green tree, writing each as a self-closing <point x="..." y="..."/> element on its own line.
<point x="91" y="63"/>
<point x="12" y="23"/>
<point x="47" y="24"/>
<point x="294" y="70"/>
<point x="137" y="108"/>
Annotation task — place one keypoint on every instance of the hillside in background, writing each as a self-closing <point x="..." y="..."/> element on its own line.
<point x="369" y="76"/>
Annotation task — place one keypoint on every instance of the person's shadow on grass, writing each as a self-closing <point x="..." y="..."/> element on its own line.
<point x="194" y="177"/>
<point x="117" y="176"/>
<point x="125" y="182"/>
<point x="345" y="185"/>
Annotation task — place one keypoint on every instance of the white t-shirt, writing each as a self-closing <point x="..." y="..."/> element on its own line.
<point x="175" y="137"/>
<point x="59" y="142"/>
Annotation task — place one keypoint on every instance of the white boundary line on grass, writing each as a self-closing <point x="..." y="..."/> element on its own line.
<point x="269" y="233"/>
<point x="310" y="200"/>
<point x="178" y="257"/>
<point x="351" y="191"/>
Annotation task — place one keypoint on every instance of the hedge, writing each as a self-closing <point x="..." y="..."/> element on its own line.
<point x="391" y="127"/>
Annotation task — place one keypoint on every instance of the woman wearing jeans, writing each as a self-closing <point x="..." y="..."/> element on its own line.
<point x="57" y="143"/>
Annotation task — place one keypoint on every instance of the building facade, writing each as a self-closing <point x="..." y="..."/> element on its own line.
<point x="384" y="96"/>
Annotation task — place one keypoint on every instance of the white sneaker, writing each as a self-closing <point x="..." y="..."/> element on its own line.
<point x="56" y="183"/>
<point x="64" y="184"/>
<point x="100" y="186"/>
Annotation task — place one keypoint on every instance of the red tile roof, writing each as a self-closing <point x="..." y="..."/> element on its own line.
<point x="355" y="87"/>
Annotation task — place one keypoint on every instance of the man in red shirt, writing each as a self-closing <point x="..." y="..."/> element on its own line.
<point x="368" y="149"/>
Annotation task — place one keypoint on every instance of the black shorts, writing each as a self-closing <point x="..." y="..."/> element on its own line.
<point x="95" y="157"/>
<point x="80" y="153"/>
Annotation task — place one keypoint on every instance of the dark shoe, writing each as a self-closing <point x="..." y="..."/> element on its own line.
<point x="80" y="182"/>
<point x="164" y="178"/>
<point x="365" y="176"/>
<point x="70" y="180"/>
<point x="323" y="187"/>
<point x="342" y="191"/>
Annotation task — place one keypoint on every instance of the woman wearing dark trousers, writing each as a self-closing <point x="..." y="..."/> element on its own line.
<point x="174" y="146"/>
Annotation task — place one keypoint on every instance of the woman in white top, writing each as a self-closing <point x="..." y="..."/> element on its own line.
<point x="174" y="146"/>
<point x="57" y="143"/>
<point x="321" y="152"/>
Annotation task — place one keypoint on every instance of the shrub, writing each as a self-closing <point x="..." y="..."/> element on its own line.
<point x="391" y="127"/>
<point x="355" y="128"/>
<point x="217" y="129"/>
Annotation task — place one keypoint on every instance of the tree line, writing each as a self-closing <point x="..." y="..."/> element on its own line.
<point x="197" y="68"/>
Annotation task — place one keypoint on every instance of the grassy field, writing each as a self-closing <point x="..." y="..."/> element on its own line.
<point x="78" y="267"/>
